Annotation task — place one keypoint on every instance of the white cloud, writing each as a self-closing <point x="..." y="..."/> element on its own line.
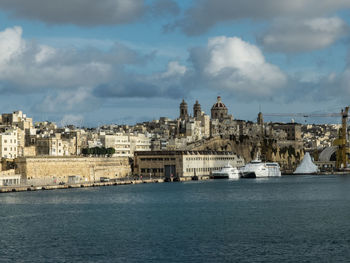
<point x="27" y="66"/>
<point x="174" y="69"/>
<point x="11" y="44"/>
<point x="237" y="66"/>
<point x="45" y="54"/>
<point x="290" y="35"/>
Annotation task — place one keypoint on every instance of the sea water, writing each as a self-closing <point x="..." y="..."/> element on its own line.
<point x="287" y="219"/>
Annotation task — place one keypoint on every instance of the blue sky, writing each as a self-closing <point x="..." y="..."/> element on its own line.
<point x="116" y="61"/>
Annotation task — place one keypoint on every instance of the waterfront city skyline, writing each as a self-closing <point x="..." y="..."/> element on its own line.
<point x="113" y="61"/>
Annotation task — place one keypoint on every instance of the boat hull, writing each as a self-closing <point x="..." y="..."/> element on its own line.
<point x="219" y="177"/>
<point x="248" y="175"/>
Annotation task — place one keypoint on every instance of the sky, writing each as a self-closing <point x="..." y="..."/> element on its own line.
<point x="92" y="62"/>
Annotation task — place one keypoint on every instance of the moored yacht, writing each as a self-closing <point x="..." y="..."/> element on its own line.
<point x="258" y="169"/>
<point x="227" y="172"/>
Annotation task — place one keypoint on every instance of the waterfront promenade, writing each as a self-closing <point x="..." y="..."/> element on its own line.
<point x="23" y="188"/>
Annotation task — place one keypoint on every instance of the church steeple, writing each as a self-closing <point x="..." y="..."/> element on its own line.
<point x="197" y="111"/>
<point x="183" y="110"/>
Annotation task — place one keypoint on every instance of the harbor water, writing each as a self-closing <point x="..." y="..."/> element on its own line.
<point x="287" y="219"/>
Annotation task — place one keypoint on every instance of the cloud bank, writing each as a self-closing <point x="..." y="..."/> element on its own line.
<point x="73" y="80"/>
<point x="76" y="80"/>
<point x="288" y="35"/>
<point x="236" y="66"/>
<point x="206" y="13"/>
<point x="88" y="12"/>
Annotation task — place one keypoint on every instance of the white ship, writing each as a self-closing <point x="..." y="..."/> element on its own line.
<point x="227" y="172"/>
<point x="258" y="169"/>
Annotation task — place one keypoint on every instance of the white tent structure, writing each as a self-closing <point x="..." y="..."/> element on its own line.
<point x="306" y="166"/>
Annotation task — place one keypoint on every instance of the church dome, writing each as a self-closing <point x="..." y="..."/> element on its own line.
<point x="219" y="104"/>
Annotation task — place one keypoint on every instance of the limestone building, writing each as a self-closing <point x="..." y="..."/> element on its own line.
<point x="293" y="130"/>
<point x="183" y="163"/>
<point x="193" y="128"/>
<point x="52" y="146"/>
<point x="18" y="119"/>
<point x="9" y="178"/>
<point x="8" y="144"/>
<point x="125" y="144"/>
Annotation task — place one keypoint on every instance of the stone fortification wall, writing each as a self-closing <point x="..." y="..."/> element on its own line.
<point x="29" y="151"/>
<point x="58" y="169"/>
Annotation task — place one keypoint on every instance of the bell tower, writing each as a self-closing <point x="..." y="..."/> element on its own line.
<point x="183" y="110"/>
<point x="197" y="111"/>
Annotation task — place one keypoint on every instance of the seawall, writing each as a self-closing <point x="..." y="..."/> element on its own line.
<point x="9" y="189"/>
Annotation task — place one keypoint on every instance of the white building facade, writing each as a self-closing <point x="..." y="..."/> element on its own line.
<point x="8" y="144"/>
<point x="126" y="144"/>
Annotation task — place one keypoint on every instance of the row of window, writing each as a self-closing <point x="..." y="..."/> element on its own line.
<point x="10" y="149"/>
<point x="157" y="159"/>
<point x="9" y="156"/>
<point x="209" y="158"/>
<point x="14" y="141"/>
<point x="203" y="169"/>
<point x="10" y="181"/>
<point x="189" y="170"/>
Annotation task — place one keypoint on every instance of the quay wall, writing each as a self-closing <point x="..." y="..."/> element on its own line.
<point x="59" y="169"/>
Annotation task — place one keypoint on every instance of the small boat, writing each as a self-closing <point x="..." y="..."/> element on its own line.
<point x="258" y="169"/>
<point x="227" y="172"/>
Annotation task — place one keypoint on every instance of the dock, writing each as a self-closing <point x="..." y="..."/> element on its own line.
<point x="25" y="188"/>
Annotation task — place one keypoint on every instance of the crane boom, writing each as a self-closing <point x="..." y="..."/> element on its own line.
<point x="305" y="115"/>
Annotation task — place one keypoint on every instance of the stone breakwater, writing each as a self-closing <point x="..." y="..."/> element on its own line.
<point x="10" y="189"/>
